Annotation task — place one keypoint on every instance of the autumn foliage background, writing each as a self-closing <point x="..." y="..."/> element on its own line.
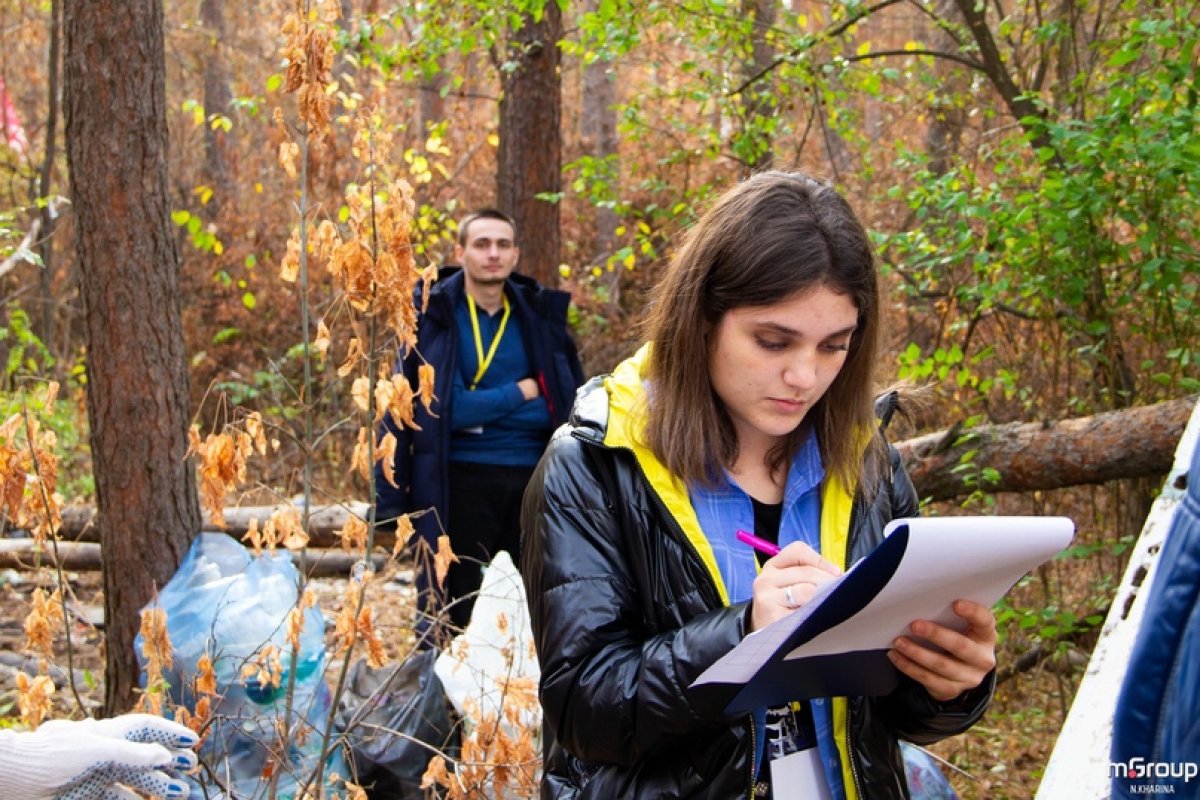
<point x="1032" y="193"/>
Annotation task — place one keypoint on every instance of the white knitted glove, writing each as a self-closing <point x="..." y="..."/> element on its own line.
<point x="108" y="759"/>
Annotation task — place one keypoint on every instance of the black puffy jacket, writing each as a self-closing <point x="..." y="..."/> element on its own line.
<point x="626" y="616"/>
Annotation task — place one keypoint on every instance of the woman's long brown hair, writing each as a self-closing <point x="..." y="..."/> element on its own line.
<point x="767" y="238"/>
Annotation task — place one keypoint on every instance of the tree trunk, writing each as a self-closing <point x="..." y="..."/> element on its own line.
<point x="1015" y="98"/>
<point x="1134" y="442"/>
<point x="49" y="212"/>
<point x="529" y="161"/>
<point x="116" y="136"/>
<point x="598" y="129"/>
<point x="432" y="105"/>
<point x="760" y="97"/>
<point x="946" y="116"/>
<point x="218" y="99"/>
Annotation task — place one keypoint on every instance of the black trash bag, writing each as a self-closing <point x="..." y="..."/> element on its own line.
<point x="378" y="704"/>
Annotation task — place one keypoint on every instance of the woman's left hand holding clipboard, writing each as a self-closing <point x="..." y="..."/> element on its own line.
<point x="963" y="660"/>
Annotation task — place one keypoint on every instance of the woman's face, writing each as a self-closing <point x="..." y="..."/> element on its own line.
<point x="771" y="364"/>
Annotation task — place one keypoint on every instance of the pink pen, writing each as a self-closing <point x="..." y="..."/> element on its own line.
<point x="761" y="545"/>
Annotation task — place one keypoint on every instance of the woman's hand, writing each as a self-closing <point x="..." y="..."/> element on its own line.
<point x="787" y="581"/>
<point x="967" y="659"/>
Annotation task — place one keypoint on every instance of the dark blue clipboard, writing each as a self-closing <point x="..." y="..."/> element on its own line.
<point x="869" y="672"/>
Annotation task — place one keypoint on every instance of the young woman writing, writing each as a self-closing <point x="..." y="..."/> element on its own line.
<point x="750" y="408"/>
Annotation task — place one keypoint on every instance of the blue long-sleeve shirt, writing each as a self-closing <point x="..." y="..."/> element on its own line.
<point x="494" y="423"/>
<point x="724" y="509"/>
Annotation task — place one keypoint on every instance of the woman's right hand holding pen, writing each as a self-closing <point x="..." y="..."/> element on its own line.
<point x="787" y="581"/>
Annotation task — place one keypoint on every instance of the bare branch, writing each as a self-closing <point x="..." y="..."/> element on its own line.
<point x="833" y="32"/>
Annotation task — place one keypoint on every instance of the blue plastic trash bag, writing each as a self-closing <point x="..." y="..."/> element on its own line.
<point x="227" y="604"/>
<point x="925" y="779"/>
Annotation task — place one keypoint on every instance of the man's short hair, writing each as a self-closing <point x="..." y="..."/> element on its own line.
<point x="483" y="213"/>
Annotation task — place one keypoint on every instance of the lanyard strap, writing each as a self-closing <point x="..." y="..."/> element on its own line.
<point x="485" y="361"/>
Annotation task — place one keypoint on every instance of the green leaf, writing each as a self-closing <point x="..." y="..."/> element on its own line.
<point x="1123" y="57"/>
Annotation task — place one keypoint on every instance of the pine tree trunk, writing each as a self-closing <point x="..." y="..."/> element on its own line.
<point x="218" y="99"/>
<point x="598" y="129"/>
<point x="529" y="161"/>
<point x="116" y="135"/>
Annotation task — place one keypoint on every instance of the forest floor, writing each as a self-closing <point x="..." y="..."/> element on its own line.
<point x="1001" y="757"/>
<point x="392" y="606"/>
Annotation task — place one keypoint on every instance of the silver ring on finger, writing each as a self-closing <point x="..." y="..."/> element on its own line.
<point x="787" y="593"/>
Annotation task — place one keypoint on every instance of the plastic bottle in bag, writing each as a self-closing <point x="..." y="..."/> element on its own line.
<point x="227" y="604"/>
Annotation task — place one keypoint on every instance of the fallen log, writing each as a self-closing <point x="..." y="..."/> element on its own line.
<point x="1130" y="443"/>
<point x="32" y="667"/>
<point x="1021" y="457"/>
<point x="85" y="557"/>
<point x="78" y="523"/>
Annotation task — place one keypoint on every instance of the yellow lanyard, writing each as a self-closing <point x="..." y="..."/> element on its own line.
<point x="485" y="361"/>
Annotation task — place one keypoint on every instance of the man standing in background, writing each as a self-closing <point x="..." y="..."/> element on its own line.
<point x="506" y="371"/>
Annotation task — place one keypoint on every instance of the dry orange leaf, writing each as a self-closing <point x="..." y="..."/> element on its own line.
<point x="33" y="698"/>
<point x="443" y="558"/>
<point x="425" y="377"/>
<point x="353" y="534"/>
<point x="386" y="454"/>
<point x="404" y="532"/>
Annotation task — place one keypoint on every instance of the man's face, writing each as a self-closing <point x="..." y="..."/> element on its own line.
<point x="489" y="255"/>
